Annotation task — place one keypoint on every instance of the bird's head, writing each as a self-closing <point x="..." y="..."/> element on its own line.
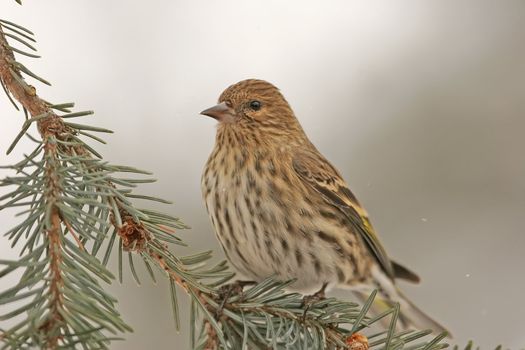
<point x="253" y="103"/>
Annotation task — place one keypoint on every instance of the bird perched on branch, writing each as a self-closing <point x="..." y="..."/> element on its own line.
<point x="279" y="208"/>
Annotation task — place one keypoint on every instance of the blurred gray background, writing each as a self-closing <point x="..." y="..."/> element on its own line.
<point x="420" y="104"/>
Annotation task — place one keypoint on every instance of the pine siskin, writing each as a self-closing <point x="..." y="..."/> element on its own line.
<point x="280" y="208"/>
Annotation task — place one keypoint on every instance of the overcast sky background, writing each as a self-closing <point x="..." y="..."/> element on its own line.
<point x="420" y="104"/>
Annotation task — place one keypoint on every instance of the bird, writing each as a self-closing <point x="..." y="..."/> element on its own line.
<point x="280" y="208"/>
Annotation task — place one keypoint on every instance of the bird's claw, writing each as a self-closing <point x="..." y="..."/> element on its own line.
<point x="227" y="290"/>
<point x="309" y="300"/>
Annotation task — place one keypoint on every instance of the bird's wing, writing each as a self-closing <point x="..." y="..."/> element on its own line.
<point x="316" y="172"/>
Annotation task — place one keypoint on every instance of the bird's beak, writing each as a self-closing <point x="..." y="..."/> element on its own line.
<point x="221" y="112"/>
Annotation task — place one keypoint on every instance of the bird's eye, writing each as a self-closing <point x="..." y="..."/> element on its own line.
<point x="255" y="105"/>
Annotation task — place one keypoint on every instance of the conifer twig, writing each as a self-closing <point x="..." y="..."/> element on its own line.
<point x="58" y="326"/>
<point x="50" y="127"/>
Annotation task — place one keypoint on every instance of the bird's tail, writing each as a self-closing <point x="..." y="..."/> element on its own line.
<point x="410" y="316"/>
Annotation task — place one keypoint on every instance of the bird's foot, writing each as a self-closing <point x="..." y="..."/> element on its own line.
<point x="309" y="300"/>
<point x="228" y="290"/>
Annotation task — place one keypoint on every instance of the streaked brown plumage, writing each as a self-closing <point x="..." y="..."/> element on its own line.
<point x="279" y="207"/>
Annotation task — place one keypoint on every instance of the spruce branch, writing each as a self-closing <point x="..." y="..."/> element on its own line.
<point x="59" y="314"/>
<point x="76" y="204"/>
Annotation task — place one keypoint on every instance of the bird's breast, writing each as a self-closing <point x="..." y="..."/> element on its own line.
<point x="248" y="202"/>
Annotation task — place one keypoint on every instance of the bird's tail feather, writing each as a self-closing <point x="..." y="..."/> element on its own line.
<point x="410" y="316"/>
